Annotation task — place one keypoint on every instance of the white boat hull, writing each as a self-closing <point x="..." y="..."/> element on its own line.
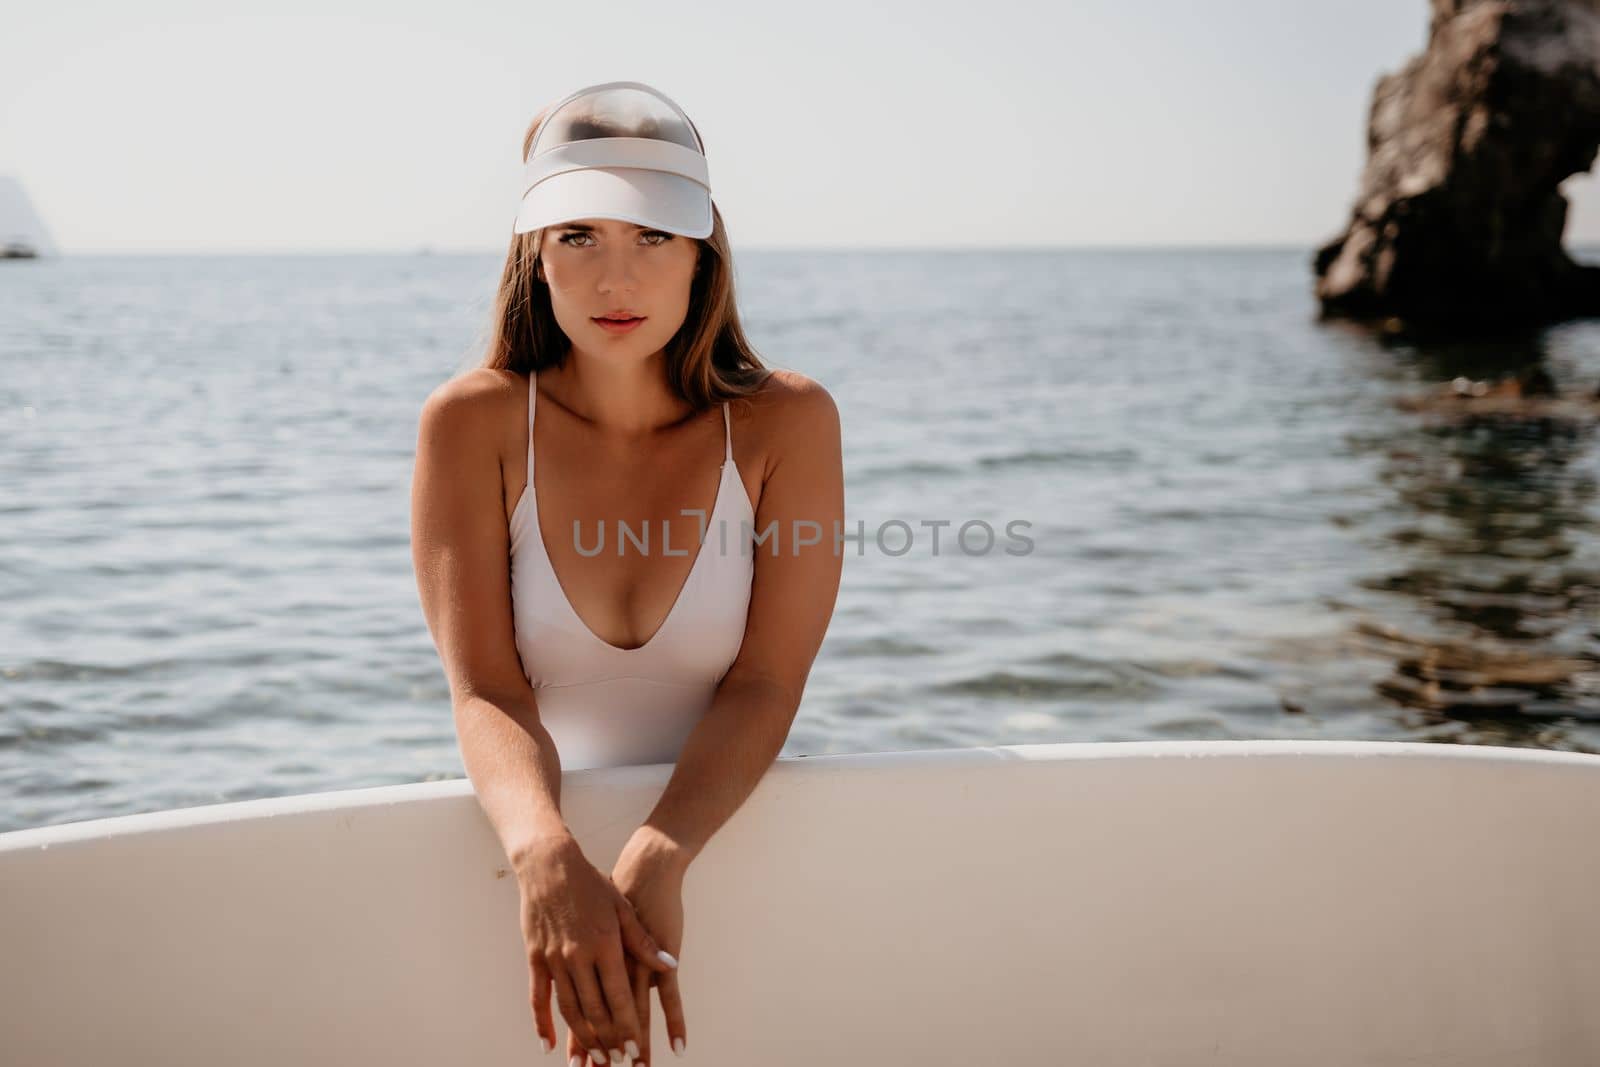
<point x="1106" y="904"/>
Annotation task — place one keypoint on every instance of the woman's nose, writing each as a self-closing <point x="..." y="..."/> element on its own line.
<point x="619" y="269"/>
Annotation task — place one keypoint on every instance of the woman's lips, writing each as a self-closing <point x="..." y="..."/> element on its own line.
<point x="619" y="326"/>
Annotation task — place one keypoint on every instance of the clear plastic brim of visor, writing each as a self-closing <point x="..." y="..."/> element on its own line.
<point x="615" y="109"/>
<point x="651" y="198"/>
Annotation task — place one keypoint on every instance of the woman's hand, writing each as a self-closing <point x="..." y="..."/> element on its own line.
<point x="576" y="924"/>
<point x="649" y="873"/>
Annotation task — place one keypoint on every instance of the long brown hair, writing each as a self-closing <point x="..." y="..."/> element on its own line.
<point x="708" y="360"/>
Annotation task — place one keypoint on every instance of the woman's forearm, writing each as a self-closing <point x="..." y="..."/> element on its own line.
<point x="730" y="749"/>
<point x="515" y="770"/>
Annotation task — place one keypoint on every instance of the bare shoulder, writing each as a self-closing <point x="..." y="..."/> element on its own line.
<point x="480" y="393"/>
<point x="476" y="412"/>
<point x="790" y="392"/>
<point x="793" y="413"/>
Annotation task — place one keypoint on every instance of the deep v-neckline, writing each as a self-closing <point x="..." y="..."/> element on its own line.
<point x="538" y="536"/>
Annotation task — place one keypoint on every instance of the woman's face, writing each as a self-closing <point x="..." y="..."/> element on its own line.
<point x="598" y="266"/>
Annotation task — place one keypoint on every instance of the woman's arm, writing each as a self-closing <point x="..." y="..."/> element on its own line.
<point x="791" y="602"/>
<point x="576" y="923"/>
<point x="460" y="548"/>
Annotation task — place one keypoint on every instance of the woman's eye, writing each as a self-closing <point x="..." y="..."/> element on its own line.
<point x="571" y="238"/>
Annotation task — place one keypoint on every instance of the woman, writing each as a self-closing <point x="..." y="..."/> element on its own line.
<point x="561" y="656"/>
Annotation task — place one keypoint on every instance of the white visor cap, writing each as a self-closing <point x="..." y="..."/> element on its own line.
<point x="618" y="150"/>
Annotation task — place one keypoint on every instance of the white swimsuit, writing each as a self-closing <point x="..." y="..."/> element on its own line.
<point x="606" y="706"/>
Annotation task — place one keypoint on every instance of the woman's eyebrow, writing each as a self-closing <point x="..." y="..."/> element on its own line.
<point x="590" y="229"/>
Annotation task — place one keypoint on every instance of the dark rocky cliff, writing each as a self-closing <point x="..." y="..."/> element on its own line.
<point x="1459" y="219"/>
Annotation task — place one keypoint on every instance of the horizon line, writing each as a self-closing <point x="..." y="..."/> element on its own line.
<point x="424" y="251"/>
<point x="429" y="250"/>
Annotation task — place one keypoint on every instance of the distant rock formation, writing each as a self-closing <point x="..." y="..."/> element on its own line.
<point x="1458" y="223"/>
<point x="19" y="222"/>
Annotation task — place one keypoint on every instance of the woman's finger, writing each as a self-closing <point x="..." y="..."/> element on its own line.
<point x="539" y="993"/>
<point x="575" y="1010"/>
<point x="595" y="1009"/>
<point x="613" y="969"/>
<point x="672" y="1011"/>
<point x="638" y="939"/>
<point x="641" y="997"/>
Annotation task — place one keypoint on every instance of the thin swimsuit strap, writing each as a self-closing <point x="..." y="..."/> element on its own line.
<point x="727" y="435"/>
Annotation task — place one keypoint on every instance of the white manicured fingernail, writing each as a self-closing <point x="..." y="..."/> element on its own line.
<point x="666" y="957"/>
<point x="597" y="1055"/>
<point x="545" y="1041"/>
<point x="576" y="1061"/>
<point x="633" y="1049"/>
<point x="677" y="1046"/>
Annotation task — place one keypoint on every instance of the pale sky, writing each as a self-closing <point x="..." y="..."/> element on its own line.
<point x="169" y="125"/>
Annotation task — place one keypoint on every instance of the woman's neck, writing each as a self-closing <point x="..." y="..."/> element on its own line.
<point x="622" y="398"/>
